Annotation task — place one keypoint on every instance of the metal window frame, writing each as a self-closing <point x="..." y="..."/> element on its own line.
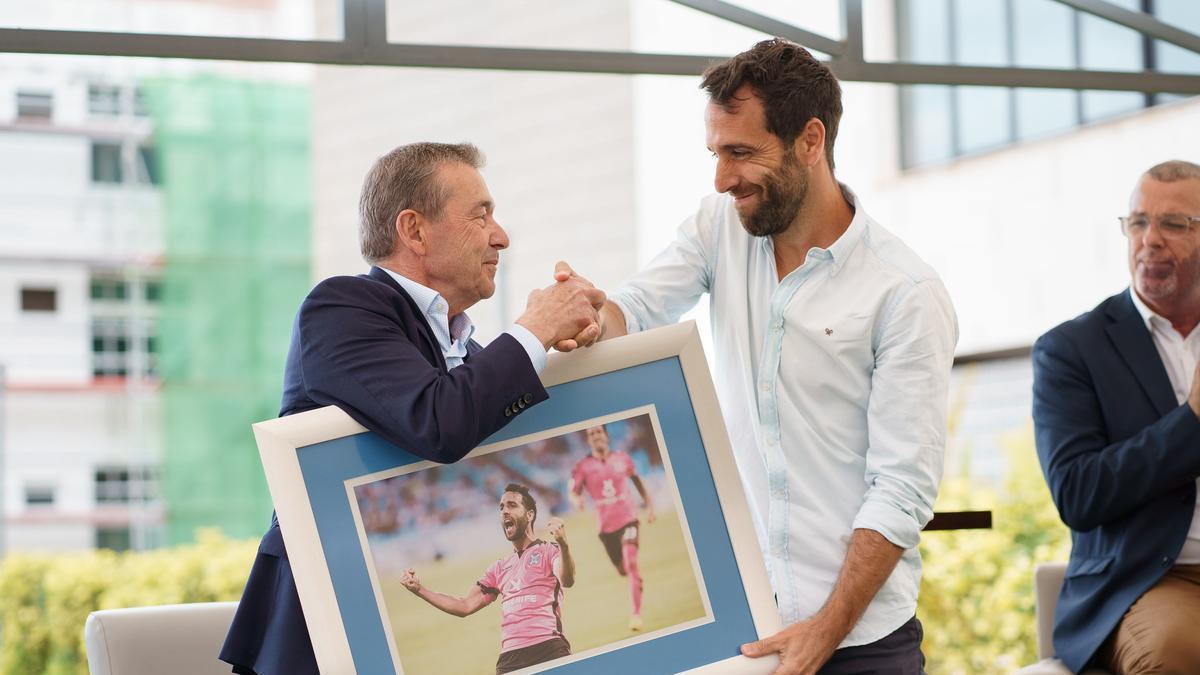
<point x="1149" y="30"/>
<point x="364" y="42"/>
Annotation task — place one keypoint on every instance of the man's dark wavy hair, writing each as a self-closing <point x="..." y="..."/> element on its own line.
<point x="793" y="86"/>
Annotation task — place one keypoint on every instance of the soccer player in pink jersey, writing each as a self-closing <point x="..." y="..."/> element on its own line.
<point x="529" y="582"/>
<point x="602" y="473"/>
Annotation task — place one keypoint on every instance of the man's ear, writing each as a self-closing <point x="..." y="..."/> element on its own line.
<point x="809" y="146"/>
<point x="412" y="231"/>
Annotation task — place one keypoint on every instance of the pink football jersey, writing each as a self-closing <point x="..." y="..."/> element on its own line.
<point x="607" y="481"/>
<point x="530" y="595"/>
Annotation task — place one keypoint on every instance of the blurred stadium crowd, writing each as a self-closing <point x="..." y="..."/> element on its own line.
<point x="426" y="515"/>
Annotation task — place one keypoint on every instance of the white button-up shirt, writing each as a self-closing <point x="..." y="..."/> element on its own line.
<point x="453" y="334"/>
<point x="1179" y="355"/>
<point x="834" y="385"/>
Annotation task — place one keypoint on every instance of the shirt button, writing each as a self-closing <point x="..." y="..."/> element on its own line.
<point x="1166" y="562"/>
<point x="766" y="387"/>
<point x="771" y="442"/>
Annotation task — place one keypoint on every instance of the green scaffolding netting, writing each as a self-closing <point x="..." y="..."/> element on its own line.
<point x="236" y="187"/>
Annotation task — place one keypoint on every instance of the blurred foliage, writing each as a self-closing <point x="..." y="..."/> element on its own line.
<point x="976" y="603"/>
<point x="977" y="596"/>
<point x="45" y="599"/>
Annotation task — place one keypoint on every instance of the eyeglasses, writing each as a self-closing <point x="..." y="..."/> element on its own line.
<point x="1171" y="226"/>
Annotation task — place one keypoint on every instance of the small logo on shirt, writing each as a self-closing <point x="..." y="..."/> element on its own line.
<point x="535" y="559"/>
<point x="829" y="331"/>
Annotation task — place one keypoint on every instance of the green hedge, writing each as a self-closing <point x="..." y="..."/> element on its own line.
<point x="45" y="599"/>
<point x="976" y="591"/>
<point x="977" y="598"/>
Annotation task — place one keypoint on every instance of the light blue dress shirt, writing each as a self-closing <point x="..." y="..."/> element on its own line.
<point x="453" y="334"/>
<point x="834" y="385"/>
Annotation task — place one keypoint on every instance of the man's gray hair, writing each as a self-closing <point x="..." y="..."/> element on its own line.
<point x="1173" y="170"/>
<point x="405" y="178"/>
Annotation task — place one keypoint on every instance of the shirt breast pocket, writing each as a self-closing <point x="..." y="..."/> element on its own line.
<point x="848" y="338"/>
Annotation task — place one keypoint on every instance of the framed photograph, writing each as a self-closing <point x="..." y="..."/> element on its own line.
<point x="604" y="530"/>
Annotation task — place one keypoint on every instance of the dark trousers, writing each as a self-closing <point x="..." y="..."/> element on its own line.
<point x="896" y="654"/>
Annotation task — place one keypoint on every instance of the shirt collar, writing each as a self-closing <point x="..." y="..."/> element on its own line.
<point x="841" y="249"/>
<point x="1148" y="315"/>
<point x="435" y="307"/>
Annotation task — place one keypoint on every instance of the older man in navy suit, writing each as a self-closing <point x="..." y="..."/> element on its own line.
<point x="393" y="349"/>
<point x="1116" y="402"/>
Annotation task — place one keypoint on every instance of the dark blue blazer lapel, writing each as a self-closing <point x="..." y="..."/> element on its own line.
<point x="431" y="345"/>
<point x="1136" y="346"/>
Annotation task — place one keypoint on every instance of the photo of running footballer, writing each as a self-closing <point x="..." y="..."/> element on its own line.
<point x="606" y="475"/>
<point x="543" y="598"/>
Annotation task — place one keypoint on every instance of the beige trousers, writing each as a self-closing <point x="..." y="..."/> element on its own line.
<point x="1161" y="631"/>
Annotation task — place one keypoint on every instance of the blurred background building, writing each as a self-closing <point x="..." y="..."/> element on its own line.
<point x="161" y="219"/>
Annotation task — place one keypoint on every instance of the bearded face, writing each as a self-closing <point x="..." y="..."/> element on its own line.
<point x="781" y="196"/>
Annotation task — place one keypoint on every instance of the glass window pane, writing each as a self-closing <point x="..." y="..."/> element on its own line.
<point x="140" y="107"/>
<point x="104" y="99"/>
<point x="650" y="26"/>
<point x="106" y="163"/>
<point x="148" y="166"/>
<point x="39" y="299"/>
<point x="980" y="32"/>
<point x="924" y="31"/>
<point x="291" y="19"/>
<point x="39" y="495"/>
<point x="1105" y="45"/>
<point x="926" y="124"/>
<point x="114" y="538"/>
<point x="35" y="106"/>
<point x="983" y="117"/>
<point x="1045" y="111"/>
<point x="1043" y="34"/>
<point x="1186" y="15"/>
<point x="1101" y="105"/>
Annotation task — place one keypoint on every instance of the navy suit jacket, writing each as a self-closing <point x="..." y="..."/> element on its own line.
<point x="362" y="344"/>
<point x="1121" y="457"/>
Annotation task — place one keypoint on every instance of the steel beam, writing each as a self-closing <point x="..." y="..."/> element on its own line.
<point x="1143" y="23"/>
<point x="764" y="24"/>
<point x="343" y="53"/>
<point x="984" y="76"/>
<point x="365" y="43"/>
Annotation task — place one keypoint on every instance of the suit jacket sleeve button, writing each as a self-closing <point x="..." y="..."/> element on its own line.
<point x="528" y="398"/>
<point x="508" y="411"/>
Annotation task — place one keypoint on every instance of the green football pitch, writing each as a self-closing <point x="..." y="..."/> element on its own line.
<point x="595" y="610"/>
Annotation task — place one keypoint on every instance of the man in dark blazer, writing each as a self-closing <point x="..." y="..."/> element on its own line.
<point x="393" y="349"/>
<point x="1115" y="407"/>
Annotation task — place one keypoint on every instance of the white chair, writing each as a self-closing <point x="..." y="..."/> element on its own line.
<point x="1047" y="581"/>
<point x="178" y="639"/>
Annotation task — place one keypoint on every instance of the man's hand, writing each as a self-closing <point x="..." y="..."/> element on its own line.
<point x="650" y="515"/>
<point x="565" y="311"/>
<point x="1194" y="395"/>
<point x="564" y="274"/>
<point x="558" y="530"/>
<point x="410" y="581"/>
<point x="803" y="647"/>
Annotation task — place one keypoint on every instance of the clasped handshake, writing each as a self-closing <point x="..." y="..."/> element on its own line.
<point x="566" y="314"/>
